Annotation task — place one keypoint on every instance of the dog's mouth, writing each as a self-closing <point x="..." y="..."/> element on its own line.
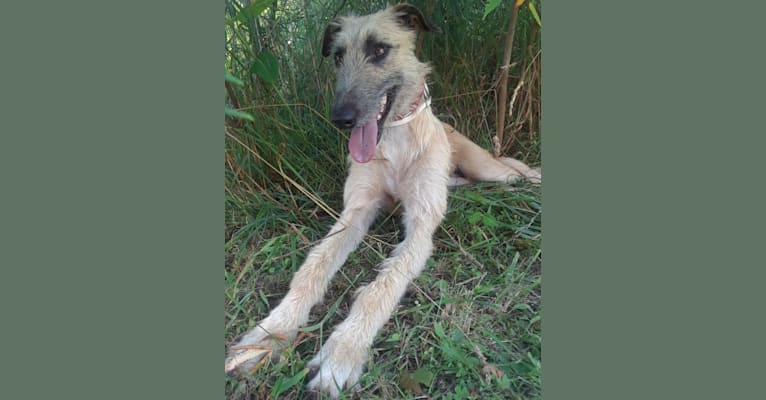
<point x="361" y="144"/>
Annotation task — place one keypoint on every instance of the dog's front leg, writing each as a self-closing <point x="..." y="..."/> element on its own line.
<point x="341" y="360"/>
<point x="309" y="284"/>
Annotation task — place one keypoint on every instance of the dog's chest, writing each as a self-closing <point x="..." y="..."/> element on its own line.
<point x="408" y="163"/>
<point x="399" y="155"/>
<point x="395" y="177"/>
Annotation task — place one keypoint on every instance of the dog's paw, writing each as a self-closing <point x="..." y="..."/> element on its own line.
<point x="256" y="347"/>
<point x="534" y="176"/>
<point x="338" y="366"/>
<point x="455" y="181"/>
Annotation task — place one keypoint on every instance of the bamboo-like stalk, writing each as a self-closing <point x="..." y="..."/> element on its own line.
<point x="502" y="97"/>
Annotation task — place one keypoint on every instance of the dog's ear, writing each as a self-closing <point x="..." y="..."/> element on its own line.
<point x="329" y="36"/>
<point x="411" y="18"/>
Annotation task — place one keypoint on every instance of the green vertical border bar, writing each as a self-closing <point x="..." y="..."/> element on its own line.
<point x="112" y="209"/>
<point x="653" y="191"/>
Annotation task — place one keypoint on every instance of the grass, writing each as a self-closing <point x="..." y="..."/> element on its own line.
<point x="469" y="326"/>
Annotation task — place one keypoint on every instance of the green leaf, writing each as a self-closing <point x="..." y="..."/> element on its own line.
<point x="521" y="367"/>
<point x="230" y="112"/>
<point x="439" y="330"/>
<point x="254" y="10"/>
<point x="473" y="196"/>
<point x="533" y="10"/>
<point x="406" y="381"/>
<point x="490" y="6"/>
<point x="522" y="306"/>
<point x="282" y="385"/>
<point x="475" y="217"/>
<point x="489" y="220"/>
<point x="422" y="375"/>
<point x="233" y="79"/>
<point x="266" y="67"/>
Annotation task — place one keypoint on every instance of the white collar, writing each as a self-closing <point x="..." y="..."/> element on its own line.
<point x="423" y="102"/>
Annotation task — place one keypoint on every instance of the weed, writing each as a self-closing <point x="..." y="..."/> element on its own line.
<point x="469" y="326"/>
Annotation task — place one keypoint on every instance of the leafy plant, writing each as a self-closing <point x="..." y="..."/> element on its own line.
<point x="469" y="327"/>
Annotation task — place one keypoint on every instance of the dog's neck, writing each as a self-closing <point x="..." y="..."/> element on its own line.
<point x="422" y="101"/>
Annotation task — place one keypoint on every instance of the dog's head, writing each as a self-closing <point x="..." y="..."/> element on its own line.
<point x="378" y="75"/>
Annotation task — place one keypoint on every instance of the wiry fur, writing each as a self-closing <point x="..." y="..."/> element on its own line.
<point x="412" y="164"/>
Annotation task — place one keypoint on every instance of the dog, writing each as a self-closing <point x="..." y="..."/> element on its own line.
<point x="399" y="151"/>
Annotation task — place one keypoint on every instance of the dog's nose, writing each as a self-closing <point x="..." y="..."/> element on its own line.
<point x="344" y="116"/>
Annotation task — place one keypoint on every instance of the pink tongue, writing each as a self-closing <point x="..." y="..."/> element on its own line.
<point x="362" y="142"/>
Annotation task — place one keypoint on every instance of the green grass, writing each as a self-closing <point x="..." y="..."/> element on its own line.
<point x="469" y="326"/>
<point x="473" y="312"/>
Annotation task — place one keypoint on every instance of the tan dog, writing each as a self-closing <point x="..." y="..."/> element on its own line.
<point x="399" y="151"/>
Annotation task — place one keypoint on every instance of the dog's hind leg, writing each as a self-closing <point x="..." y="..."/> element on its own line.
<point x="533" y="174"/>
<point x="478" y="165"/>
<point x="309" y="284"/>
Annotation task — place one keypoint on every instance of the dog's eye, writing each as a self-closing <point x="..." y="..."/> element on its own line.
<point x="338" y="56"/>
<point x="376" y="51"/>
<point x="379" y="53"/>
